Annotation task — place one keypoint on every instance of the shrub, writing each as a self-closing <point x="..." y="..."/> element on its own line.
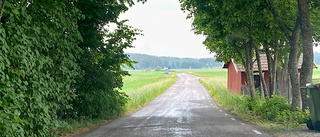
<point x="37" y="64"/>
<point x="157" y="68"/>
<point x="271" y="107"/>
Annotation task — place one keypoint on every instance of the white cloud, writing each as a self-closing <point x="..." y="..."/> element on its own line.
<point x="166" y="30"/>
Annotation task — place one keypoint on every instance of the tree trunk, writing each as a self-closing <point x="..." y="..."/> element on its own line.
<point x="247" y="62"/>
<point x="270" y="69"/>
<point x="293" y="70"/>
<point x="249" y="67"/>
<point x="280" y="81"/>
<point x="264" y="86"/>
<point x="307" y="64"/>
<point x="273" y="86"/>
<point x="286" y="79"/>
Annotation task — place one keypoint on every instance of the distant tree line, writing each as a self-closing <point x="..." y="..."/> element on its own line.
<point x="151" y="62"/>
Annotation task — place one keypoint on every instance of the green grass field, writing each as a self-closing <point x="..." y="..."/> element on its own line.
<point x="316" y="76"/>
<point x="138" y="79"/>
<point x="208" y="72"/>
<point x="143" y="86"/>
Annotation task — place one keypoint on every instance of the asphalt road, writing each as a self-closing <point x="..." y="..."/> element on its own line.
<point x="184" y="110"/>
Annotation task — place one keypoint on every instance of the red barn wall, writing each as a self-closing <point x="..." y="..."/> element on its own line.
<point x="234" y="79"/>
<point x="244" y="79"/>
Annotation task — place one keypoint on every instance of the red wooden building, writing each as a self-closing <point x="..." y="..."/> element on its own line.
<point x="237" y="77"/>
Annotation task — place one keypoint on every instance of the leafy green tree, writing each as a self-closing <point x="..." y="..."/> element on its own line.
<point x="291" y="29"/>
<point x="307" y="44"/>
<point x="102" y="58"/>
<point x="232" y="29"/>
<point x="38" y="57"/>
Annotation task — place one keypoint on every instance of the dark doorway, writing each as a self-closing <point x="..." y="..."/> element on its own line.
<point x="256" y="81"/>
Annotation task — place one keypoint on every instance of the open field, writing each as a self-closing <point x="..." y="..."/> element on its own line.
<point x="138" y="79"/>
<point x="316" y="76"/>
<point x="208" y="72"/>
<point x="143" y="86"/>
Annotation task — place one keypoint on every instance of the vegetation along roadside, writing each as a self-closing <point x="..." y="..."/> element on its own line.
<point x="273" y="113"/>
<point x="141" y="87"/>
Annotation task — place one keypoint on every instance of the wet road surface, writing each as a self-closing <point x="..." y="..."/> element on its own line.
<point x="184" y="110"/>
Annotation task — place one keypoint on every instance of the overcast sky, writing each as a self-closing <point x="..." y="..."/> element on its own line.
<point x="166" y="30"/>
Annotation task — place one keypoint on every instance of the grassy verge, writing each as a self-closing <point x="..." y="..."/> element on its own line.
<point x="273" y="114"/>
<point x="147" y="93"/>
<point x="141" y="87"/>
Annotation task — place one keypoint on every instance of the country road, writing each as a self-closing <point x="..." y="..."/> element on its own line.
<point x="185" y="109"/>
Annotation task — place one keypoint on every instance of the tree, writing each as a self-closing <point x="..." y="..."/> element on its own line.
<point x="232" y="28"/>
<point x="37" y="64"/>
<point x="101" y="59"/>
<point x="302" y="22"/>
<point x="307" y="44"/>
<point x="293" y="37"/>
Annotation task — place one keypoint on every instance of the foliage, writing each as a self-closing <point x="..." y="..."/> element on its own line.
<point x="101" y="76"/>
<point x="273" y="113"/>
<point x="271" y="107"/>
<point x="141" y="87"/>
<point x="37" y="64"/>
<point x="157" y="68"/>
<point x="233" y="29"/>
<point x="57" y="61"/>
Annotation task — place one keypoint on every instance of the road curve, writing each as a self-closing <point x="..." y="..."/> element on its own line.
<point x="185" y="109"/>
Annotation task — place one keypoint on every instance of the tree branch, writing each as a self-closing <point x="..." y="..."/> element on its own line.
<point x="2" y="7"/>
<point x="281" y="24"/>
<point x="238" y="51"/>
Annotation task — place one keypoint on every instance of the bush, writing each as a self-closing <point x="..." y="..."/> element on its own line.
<point x="271" y="107"/>
<point x="37" y="65"/>
<point x="157" y="68"/>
